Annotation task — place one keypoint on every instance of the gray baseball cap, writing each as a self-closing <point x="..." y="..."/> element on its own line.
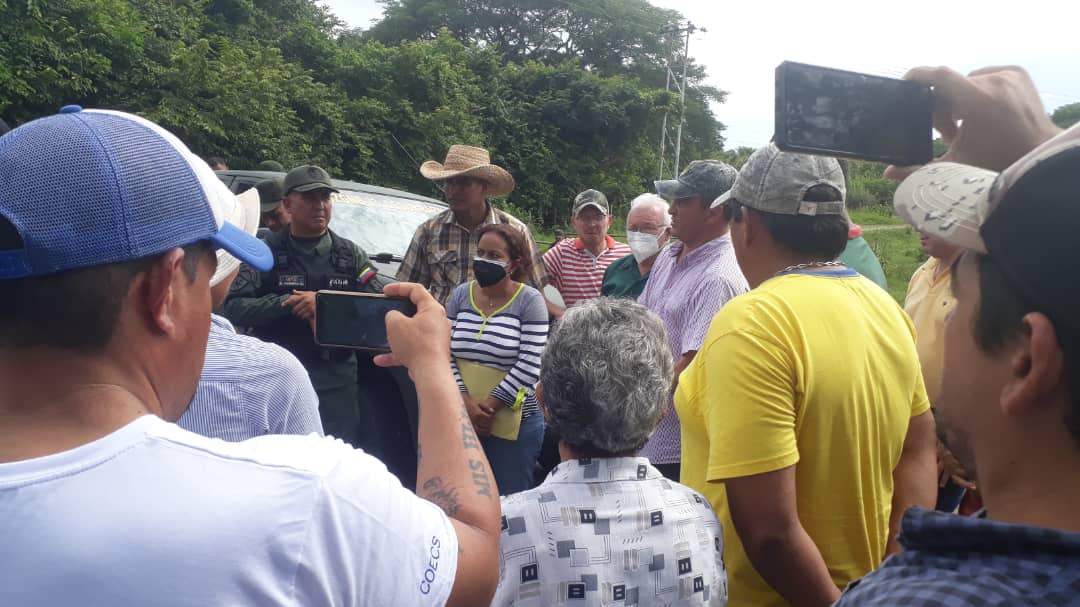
<point x="591" y="198"/>
<point x="706" y="178"/>
<point x="307" y="178"/>
<point x="776" y="182"/>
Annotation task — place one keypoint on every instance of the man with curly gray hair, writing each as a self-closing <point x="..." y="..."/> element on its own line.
<point x="606" y="526"/>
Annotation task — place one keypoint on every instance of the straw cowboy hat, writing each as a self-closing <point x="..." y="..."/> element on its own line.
<point x="468" y="161"/>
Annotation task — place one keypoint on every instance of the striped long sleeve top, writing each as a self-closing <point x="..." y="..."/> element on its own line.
<point x="511" y="338"/>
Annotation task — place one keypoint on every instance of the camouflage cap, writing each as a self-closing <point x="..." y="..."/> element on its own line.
<point x="591" y="198"/>
<point x="307" y="178"/>
<point x="706" y="178"/>
<point x="271" y="165"/>
<point x="271" y="191"/>
<point x="776" y="182"/>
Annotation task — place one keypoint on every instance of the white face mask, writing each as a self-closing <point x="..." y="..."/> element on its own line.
<point x="643" y="245"/>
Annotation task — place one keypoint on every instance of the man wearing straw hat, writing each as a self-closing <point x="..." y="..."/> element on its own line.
<point x="440" y="256"/>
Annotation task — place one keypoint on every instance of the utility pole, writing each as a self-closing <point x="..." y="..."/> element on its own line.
<point x="678" y="37"/>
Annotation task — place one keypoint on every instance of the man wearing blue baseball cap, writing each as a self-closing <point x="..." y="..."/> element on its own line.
<point x="108" y="226"/>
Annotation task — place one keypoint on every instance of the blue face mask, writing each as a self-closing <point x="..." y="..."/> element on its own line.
<point x="488" y="272"/>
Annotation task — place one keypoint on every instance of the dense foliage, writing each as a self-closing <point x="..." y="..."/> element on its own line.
<point x="567" y="98"/>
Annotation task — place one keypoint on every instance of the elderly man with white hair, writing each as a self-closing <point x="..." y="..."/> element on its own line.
<point x="648" y="229"/>
<point x="606" y="527"/>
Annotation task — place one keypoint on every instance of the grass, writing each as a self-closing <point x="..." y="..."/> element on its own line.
<point x="900" y="255"/>
<point x="875" y="215"/>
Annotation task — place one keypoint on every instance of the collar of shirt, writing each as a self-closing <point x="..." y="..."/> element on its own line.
<point x="938" y="532"/>
<point x="609" y="243"/>
<point x="708" y="250"/>
<point x="449" y="218"/>
<point x="603" y="470"/>
<point x="222" y="323"/>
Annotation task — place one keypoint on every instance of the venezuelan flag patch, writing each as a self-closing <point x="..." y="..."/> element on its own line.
<point x="366" y="275"/>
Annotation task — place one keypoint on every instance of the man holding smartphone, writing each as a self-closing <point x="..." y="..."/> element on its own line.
<point x="108" y="226"/>
<point x="279" y="305"/>
<point x="1009" y="399"/>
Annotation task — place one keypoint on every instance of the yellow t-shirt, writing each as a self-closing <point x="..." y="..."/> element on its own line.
<point x="817" y="369"/>
<point x="928" y="302"/>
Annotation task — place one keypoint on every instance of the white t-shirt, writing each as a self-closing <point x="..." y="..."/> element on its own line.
<point x="155" y="515"/>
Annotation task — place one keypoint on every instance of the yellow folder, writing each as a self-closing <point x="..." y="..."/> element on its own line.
<point x="481" y="380"/>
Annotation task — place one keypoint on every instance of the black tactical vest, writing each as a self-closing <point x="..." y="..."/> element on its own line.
<point x="338" y="271"/>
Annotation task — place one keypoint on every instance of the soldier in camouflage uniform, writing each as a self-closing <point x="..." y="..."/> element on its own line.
<point x="279" y="305"/>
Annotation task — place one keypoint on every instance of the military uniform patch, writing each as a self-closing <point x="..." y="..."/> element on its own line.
<point x="337" y="283"/>
<point x="292" y="281"/>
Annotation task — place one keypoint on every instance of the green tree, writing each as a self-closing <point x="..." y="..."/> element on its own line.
<point x="55" y="53"/>
<point x="609" y="36"/>
<point x="1066" y="115"/>
<point x="624" y="38"/>
<point x="573" y="98"/>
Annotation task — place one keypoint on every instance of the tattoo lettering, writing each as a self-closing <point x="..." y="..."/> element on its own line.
<point x="440" y="494"/>
<point x="468" y="436"/>
<point x="480" y="477"/>
<point x="468" y="433"/>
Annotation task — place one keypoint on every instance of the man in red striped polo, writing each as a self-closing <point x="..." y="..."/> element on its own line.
<point x="576" y="265"/>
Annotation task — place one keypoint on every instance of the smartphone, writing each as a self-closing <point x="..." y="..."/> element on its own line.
<point x="355" y="320"/>
<point x="832" y="112"/>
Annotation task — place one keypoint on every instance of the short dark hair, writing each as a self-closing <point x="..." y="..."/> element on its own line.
<point x="517" y="246"/>
<point x="215" y="160"/>
<point x="37" y="311"/>
<point x="815" y="236"/>
<point x="998" y="323"/>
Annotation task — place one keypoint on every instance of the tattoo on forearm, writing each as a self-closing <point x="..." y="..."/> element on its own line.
<point x="468" y="436"/>
<point x="468" y="433"/>
<point x="440" y="494"/>
<point x="480" y="477"/>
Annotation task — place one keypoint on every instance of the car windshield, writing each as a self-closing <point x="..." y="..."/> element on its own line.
<point x="379" y="223"/>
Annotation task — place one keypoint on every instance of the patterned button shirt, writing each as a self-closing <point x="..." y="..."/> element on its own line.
<point x="686" y="293"/>
<point x="960" y="561"/>
<point x="610" y="531"/>
<point x="442" y="250"/>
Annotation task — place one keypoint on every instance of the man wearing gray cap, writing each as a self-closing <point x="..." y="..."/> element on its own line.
<point x="577" y="265"/>
<point x="690" y="281"/>
<point x="279" y="305"/>
<point x="805" y="419"/>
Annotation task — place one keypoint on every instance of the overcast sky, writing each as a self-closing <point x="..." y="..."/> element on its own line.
<point x="747" y="39"/>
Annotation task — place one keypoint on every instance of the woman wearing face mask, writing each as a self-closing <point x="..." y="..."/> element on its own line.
<point x="499" y="328"/>
<point x="647" y="231"/>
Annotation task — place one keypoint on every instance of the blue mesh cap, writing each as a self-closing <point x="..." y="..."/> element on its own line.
<point x="95" y="187"/>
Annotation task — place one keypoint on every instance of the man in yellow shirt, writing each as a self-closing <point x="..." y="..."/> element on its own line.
<point x="929" y="300"/>
<point x="805" y="417"/>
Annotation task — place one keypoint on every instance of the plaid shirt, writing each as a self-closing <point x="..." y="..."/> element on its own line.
<point x="959" y="561"/>
<point x="441" y="254"/>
